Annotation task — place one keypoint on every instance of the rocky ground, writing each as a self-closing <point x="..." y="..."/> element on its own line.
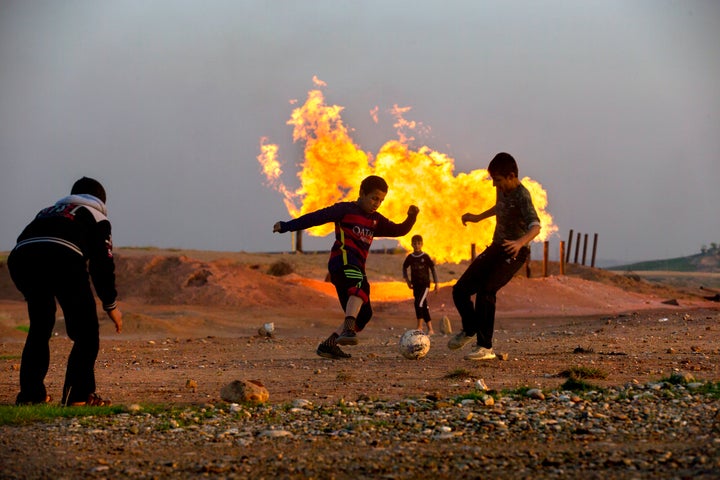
<point x="651" y="410"/>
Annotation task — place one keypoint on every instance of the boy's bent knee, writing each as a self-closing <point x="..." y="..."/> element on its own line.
<point x="358" y="292"/>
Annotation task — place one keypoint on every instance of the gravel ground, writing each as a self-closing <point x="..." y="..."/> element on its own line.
<point x="656" y="430"/>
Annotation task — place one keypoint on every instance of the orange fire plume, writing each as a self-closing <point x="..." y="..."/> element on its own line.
<point x="334" y="166"/>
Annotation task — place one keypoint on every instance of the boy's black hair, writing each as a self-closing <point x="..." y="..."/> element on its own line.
<point x="89" y="186"/>
<point x="503" y="164"/>
<point x="372" y="183"/>
<point x="416" y="237"/>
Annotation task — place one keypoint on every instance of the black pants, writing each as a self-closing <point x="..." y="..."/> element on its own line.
<point x="420" y="294"/>
<point x="44" y="273"/>
<point x="487" y="274"/>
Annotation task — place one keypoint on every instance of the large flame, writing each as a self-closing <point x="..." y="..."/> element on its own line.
<point x="333" y="167"/>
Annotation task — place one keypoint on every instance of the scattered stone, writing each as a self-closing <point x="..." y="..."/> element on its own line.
<point x="191" y="385"/>
<point x="240" y="391"/>
<point x="671" y="301"/>
<point x="536" y="393"/>
<point x="267" y="330"/>
<point x="682" y="377"/>
<point x="480" y="385"/>
<point x="445" y="326"/>
<point x="275" y="433"/>
<point x="503" y="356"/>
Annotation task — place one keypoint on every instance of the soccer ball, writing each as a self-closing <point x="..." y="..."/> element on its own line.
<point x="414" y="344"/>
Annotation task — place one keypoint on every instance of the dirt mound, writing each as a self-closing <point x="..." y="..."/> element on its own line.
<point x="182" y="280"/>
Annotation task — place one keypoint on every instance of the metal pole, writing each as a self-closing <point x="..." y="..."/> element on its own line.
<point x="584" y="248"/>
<point x="569" y="245"/>
<point x="472" y="252"/>
<point x="562" y="257"/>
<point x="546" y="246"/>
<point x="595" y="240"/>
<point x="577" y="248"/>
<point x="527" y="265"/>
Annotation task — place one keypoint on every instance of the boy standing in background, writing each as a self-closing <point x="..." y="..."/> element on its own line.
<point x="421" y="265"/>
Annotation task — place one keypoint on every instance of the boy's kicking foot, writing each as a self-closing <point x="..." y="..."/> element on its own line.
<point x="329" y="349"/>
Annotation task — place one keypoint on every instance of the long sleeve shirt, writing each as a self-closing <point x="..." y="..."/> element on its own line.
<point x="354" y="231"/>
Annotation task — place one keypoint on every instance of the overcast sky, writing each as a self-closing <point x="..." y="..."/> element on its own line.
<point x="613" y="106"/>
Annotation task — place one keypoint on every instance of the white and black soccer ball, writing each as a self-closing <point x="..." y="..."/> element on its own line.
<point x="414" y="344"/>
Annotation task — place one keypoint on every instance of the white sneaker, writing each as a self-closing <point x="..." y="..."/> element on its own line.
<point x="480" y="353"/>
<point x="459" y="340"/>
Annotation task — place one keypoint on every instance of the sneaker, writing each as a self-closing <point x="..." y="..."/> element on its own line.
<point x="480" y="353"/>
<point x="93" y="400"/>
<point x="459" y="340"/>
<point x="327" y="351"/>
<point x="347" y="337"/>
<point x="20" y="400"/>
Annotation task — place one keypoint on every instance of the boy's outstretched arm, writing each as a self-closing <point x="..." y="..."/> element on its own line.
<point x="474" y="218"/>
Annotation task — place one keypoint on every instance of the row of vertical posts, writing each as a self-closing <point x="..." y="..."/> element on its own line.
<point x="564" y="254"/>
<point x="584" y="250"/>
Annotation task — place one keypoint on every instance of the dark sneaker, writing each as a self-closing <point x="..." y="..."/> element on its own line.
<point x="347" y="337"/>
<point x="21" y="400"/>
<point x="459" y="340"/>
<point x="334" y="352"/>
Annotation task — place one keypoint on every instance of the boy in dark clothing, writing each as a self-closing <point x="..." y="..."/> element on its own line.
<point x="356" y="224"/>
<point x="50" y="261"/>
<point x="421" y="265"/>
<point x="517" y="224"/>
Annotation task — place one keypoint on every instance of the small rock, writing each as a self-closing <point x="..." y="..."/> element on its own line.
<point x="275" y="433"/>
<point x="480" y="385"/>
<point x="536" y="393"/>
<point x="240" y="391"/>
<point x="445" y="326"/>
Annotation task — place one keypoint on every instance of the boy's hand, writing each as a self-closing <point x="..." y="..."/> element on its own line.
<point x="116" y="317"/>
<point x="413" y="210"/>
<point x="512" y="247"/>
<point x="276" y="227"/>
<point x="468" y="217"/>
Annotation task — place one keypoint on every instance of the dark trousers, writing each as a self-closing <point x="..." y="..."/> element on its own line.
<point x="487" y="274"/>
<point x="44" y="273"/>
<point x="420" y="294"/>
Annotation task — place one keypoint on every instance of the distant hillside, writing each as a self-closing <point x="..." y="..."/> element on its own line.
<point x="702" y="262"/>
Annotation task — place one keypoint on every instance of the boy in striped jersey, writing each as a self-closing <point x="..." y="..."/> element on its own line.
<point x="356" y="225"/>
